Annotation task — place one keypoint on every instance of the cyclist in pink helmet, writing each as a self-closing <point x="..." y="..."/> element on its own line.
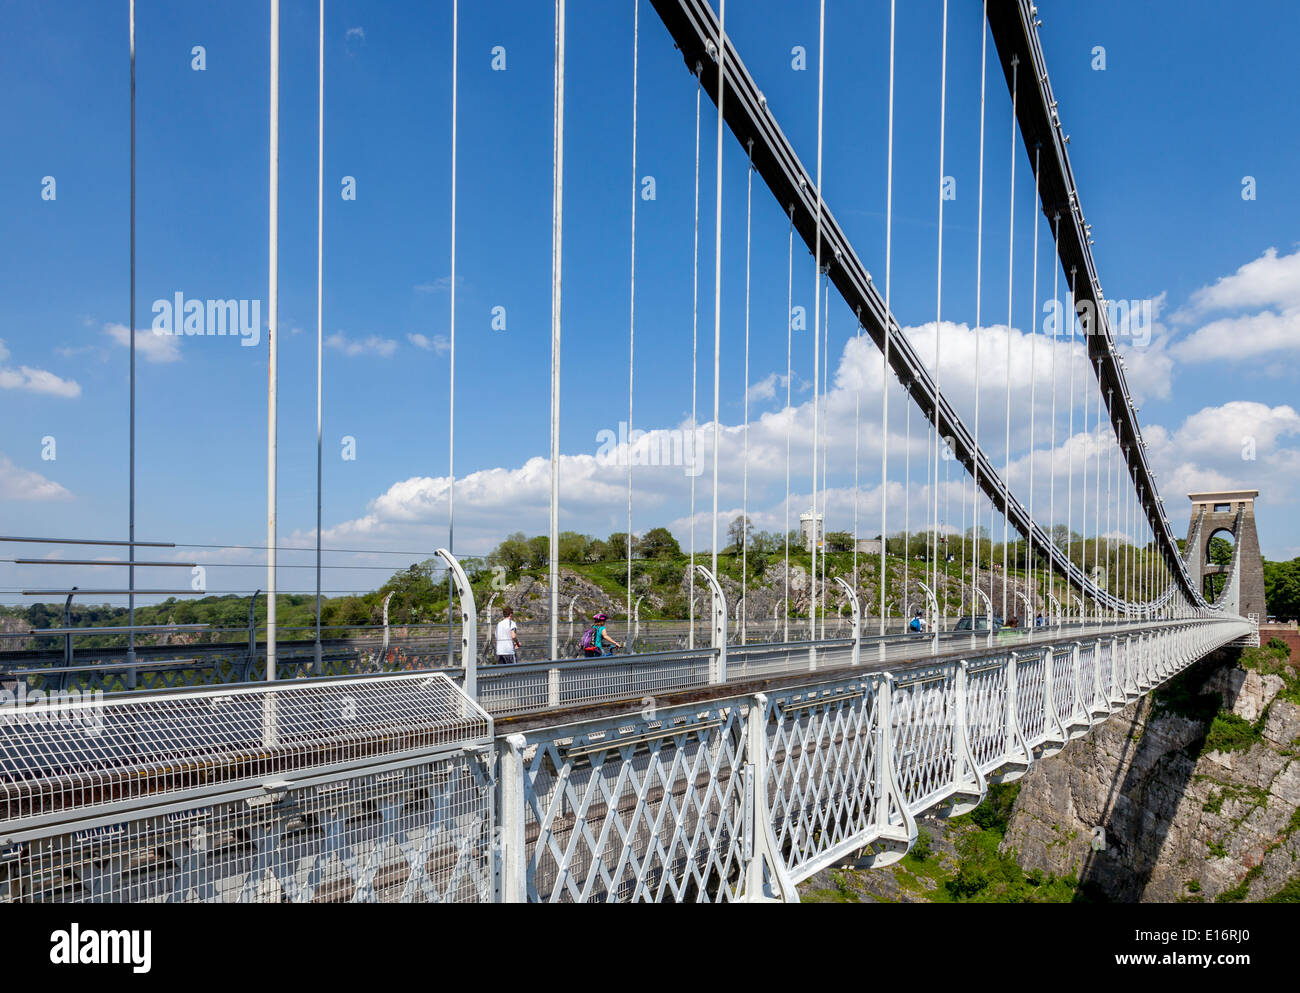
<point x="596" y="641"/>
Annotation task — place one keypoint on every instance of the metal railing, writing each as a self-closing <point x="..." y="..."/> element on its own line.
<point x="743" y="797"/>
<point x="348" y="790"/>
<point x="390" y="787"/>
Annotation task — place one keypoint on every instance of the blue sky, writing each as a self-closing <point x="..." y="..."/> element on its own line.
<point x="1189" y="103"/>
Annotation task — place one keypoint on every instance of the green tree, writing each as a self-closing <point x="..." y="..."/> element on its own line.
<point x="1282" y="589"/>
<point x="573" y="546"/>
<point x="839" y="541"/>
<point x="539" y="552"/>
<point x="616" y="547"/>
<point x="765" y="542"/>
<point x="659" y="543"/>
<point x="512" y="554"/>
<point x="738" y="531"/>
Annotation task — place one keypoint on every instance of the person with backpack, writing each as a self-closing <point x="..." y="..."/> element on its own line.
<point x="917" y="625"/>
<point x="595" y="641"/>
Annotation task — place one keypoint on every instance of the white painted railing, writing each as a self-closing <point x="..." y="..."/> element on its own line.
<point x="392" y="788"/>
<point x="682" y="803"/>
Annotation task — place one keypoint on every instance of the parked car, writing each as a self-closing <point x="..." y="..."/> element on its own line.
<point x="981" y="623"/>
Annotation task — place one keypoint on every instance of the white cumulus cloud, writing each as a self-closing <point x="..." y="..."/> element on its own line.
<point x="438" y="344"/>
<point x="370" y="345"/>
<point x="1262" y="304"/>
<point x="17" y="483"/>
<point x="148" y="345"/>
<point x="34" y="380"/>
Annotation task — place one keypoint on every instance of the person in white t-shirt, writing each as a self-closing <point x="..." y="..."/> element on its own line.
<point x="507" y="638"/>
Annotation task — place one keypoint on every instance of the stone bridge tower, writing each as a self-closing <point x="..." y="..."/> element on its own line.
<point x="1214" y="513"/>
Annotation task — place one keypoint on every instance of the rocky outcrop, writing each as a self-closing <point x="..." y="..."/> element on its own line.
<point x="530" y="598"/>
<point x="1144" y="808"/>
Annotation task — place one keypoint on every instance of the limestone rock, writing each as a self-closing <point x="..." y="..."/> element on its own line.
<point x="1141" y="812"/>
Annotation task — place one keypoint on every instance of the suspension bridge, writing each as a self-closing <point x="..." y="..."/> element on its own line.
<point x="720" y="758"/>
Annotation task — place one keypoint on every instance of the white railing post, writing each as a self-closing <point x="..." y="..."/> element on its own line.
<point x="934" y="617"/>
<point x="553" y="686"/>
<point x="1056" y="607"/>
<point x="1096" y="680"/>
<point x="383" y="651"/>
<point x="719" y="666"/>
<point x="893" y="837"/>
<point x="1023" y="755"/>
<point x="857" y="618"/>
<point x="1051" y="717"/>
<point x="1076" y="661"/>
<point x="766" y="878"/>
<point x="1116" y="697"/>
<point x="988" y="612"/>
<point x="967" y="779"/>
<point x="1010" y="719"/>
<point x="468" y="622"/>
<point x="1049" y="698"/>
<point x="512" y="802"/>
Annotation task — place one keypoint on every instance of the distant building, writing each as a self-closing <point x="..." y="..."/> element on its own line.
<point x="869" y="546"/>
<point x="810" y="530"/>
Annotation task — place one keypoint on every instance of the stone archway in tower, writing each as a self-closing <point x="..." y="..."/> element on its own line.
<point x="1217" y="553"/>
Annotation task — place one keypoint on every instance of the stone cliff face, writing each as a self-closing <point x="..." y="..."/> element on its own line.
<point x="1194" y="800"/>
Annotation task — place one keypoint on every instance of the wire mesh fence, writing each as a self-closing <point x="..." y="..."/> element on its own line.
<point x="349" y="790"/>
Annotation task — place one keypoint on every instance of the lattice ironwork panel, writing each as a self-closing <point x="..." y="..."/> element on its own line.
<point x="1087" y="676"/>
<point x="923" y="714"/>
<point x="986" y="711"/>
<point x="821" y="767"/>
<point x="639" y="810"/>
<point x="1031" y="674"/>
<point x="1063" y="684"/>
<point x="421" y="832"/>
<point x="1120" y="660"/>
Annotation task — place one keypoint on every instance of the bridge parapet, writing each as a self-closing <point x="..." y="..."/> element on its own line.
<point x="652" y="806"/>
<point x="389" y="787"/>
<point x="336" y="790"/>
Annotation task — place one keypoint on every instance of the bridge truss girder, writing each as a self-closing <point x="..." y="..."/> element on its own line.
<point x="695" y="30"/>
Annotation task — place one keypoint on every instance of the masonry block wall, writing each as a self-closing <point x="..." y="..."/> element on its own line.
<point x="1218" y="512"/>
